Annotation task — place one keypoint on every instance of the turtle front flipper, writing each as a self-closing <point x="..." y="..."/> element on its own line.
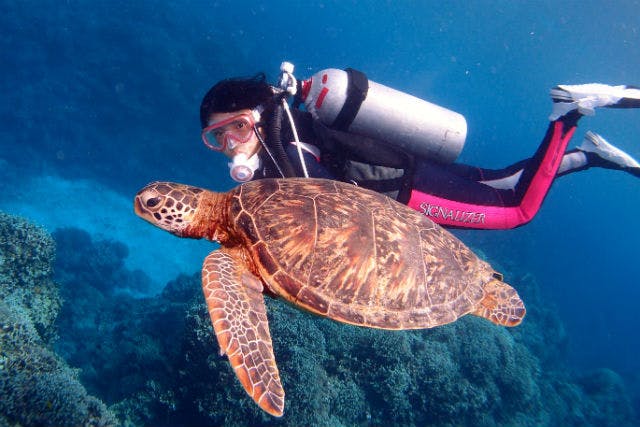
<point x="239" y="317"/>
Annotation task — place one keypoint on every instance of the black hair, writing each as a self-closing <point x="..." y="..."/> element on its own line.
<point x="235" y="94"/>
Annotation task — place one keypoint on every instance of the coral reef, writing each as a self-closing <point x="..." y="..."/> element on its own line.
<point x="133" y="340"/>
<point x="37" y="387"/>
<point x="467" y="373"/>
<point x="26" y="253"/>
<point x="156" y="361"/>
<point x="99" y="263"/>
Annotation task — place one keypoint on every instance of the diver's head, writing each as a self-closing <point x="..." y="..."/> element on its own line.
<point x="235" y="94"/>
<point x="231" y="115"/>
<point x="232" y="110"/>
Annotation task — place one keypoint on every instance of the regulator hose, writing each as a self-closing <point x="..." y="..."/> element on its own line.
<point x="275" y="142"/>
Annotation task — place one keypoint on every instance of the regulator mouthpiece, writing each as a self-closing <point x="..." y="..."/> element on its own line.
<point x="242" y="168"/>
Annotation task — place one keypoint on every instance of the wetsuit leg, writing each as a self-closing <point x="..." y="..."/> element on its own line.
<point x="586" y="160"/>
<point x="574" y="160"/>
<point x="505" y="178"/>
<point x="458" y="201"/>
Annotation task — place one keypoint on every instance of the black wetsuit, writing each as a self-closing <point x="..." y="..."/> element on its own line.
<point x="454" y="195"/>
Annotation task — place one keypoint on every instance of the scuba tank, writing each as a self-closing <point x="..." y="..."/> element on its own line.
<point x="348" y="101"/>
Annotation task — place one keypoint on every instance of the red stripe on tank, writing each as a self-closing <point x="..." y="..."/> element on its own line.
<point x="306" y="87"/>
<point x="321" y="96"/>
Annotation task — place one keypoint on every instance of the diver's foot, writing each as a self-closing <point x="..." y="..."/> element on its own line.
<point x="586" y="98"/>
<point x="596" y="144"/>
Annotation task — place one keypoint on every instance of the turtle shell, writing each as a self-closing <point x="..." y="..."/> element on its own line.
<point x="354" y="255"/>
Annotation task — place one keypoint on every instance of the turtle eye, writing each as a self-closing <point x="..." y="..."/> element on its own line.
<point x="152" y="202"/>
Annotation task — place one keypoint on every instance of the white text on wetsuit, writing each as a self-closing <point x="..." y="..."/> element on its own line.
<point x="456" y="215"/>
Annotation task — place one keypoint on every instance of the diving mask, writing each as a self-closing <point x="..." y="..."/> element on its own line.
<point x="230" y="132"/>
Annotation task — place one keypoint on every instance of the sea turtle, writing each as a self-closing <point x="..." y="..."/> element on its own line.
<point x="332" y="248"/>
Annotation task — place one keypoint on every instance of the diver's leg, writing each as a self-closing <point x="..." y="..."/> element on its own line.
<point x="504" y="179"/>
<point x="512" y="176"/>
<point x="595" y="151"/>
<point x="454" y="200"/>
<point x="478" y="201"/>
<point x="585" y="98"/>
<point x="570" y="102"/>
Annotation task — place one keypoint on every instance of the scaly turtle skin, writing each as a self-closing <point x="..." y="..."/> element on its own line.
<point x="331" y="248"/>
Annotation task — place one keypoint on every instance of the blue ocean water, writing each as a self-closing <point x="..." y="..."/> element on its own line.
<point x="99" y="98"/>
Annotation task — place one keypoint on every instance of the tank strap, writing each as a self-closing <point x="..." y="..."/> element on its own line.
<point x="357" y="88"/>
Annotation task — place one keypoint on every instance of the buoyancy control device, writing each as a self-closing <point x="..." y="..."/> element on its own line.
<point x="348" y="101"/>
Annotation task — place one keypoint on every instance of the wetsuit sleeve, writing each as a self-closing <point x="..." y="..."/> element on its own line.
<point x="453" y="201"/>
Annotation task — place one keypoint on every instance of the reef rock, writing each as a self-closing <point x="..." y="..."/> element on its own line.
<point x="36" y="385"/>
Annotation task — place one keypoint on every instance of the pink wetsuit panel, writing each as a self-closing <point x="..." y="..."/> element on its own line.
<point x="469" y="215"/>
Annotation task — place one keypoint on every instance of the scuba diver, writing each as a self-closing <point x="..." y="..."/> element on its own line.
<point x="358" y="131"/>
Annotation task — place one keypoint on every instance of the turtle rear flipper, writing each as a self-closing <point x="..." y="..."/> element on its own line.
<point x="238" y="313"/>
<point x="501" y="304"/>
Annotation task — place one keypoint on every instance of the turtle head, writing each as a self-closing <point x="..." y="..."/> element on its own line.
<point x="170" y="206"/>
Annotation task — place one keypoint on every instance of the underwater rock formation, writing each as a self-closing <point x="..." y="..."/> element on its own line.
<point x="467" y="373"/>
<point x="37" y="386"/>
<point x="98" y="262"/>
<point x="26" y="255"/>
<point x="155" y="361"/>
